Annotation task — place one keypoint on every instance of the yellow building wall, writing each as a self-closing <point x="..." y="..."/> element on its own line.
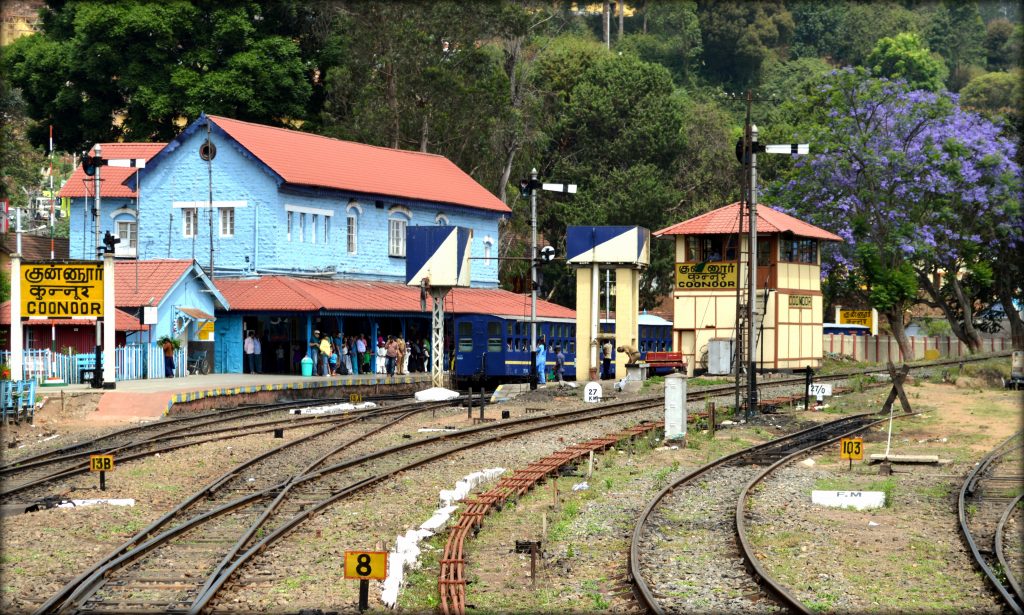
<point x="584" y="339"/>
<point x="790" y="337"/>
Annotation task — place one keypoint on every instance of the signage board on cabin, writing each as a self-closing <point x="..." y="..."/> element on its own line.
<point x="52" y="290"/>
<point x="706" y="276"/>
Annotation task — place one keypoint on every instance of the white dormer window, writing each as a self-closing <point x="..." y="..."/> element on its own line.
<point x="441" y="220"/>
<point x="398" y="221"/>
<point x="189" y="221"/>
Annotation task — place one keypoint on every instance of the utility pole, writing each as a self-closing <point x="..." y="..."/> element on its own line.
<point x="96" y="212"/>
<point x="209" y="175"/>
<point x="751" y="131"/>
<point x="533" y="279"/>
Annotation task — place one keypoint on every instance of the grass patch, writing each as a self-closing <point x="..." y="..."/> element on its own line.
<point x="702" y="381"/>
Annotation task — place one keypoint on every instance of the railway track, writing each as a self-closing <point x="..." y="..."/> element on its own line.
<point x="257" y="520"/>
<point x="32" y="479"/>
<point x="256" y="475"/>
<point x="989" y="502"/>
<point x="689" y="551"/>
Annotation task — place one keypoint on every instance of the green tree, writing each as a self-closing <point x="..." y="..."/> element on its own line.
<point x="906" y="57"/>
<point x="739" y="36"/>
<point x="1002" y="45"/>
<point x="671" y="39"/>
<point x="19" y="161"/>
<point x="957" y="33"/>
<point x="861" y="24"/>
<point x="132" y="69"/>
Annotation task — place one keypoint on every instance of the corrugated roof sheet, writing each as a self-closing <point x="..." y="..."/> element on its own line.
<point x="307" y="159"/>
<point x="123" y="321"/>
<point x="112" y="179"/>
<point x="35" y="248"/>
<point x="285" y="294"/>
<point x="724" y="220"/>
<point x="135" y="287"/>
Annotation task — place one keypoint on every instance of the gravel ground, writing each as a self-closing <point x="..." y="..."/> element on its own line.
<point x="587" y="531"/>
<point x="907" y="557"/>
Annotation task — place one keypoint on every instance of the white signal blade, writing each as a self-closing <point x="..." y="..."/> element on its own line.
<point x="787" y="148"/>
<point x="570" y="188"/>
<point x="135" y="163"/>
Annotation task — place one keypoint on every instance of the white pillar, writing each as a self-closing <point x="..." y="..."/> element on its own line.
<point x="595" y="319"/>
<point x="109" y="327"/>
<point x="17" y="333"/>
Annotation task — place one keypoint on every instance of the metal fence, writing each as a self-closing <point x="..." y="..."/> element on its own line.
<point x="882" y="348"/>
<point x="132" y="362"/>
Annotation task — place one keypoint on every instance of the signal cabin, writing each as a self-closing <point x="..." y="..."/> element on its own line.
<point x="711" y="266"/>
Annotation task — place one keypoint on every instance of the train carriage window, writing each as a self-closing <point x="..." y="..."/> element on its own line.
<point x="511" y="329"/>
<point x="465" y="337"/>
<point x="494" y="337"/>
<point x="572" y="347"/>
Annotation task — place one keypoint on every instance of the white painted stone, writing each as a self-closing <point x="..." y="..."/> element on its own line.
<point x="592" y="393"/>
<point x="436" y="394"/>
<point x="860" y="500"/>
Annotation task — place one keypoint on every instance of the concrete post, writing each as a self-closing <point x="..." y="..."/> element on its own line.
<point x="675" y="406"/>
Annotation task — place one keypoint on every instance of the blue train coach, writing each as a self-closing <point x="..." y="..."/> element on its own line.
<point x="496" y="349"/>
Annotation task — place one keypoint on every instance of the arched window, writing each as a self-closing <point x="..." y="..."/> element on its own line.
<point x="398" y="220"/>
<point x="488" y="245"/>
<point x="352" y="226"/>
<point x="440" y="219"/>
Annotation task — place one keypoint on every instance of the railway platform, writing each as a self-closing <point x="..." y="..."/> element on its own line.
<point x="141" y="399"/>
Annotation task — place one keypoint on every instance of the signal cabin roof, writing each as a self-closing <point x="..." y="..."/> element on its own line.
<point x="725" y="220"/>
<point x="112" y="179"/>
<point x="289" y="294"/>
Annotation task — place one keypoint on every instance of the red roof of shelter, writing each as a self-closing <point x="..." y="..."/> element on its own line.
<point x="312" y="160"/>
<point x="153" y="281"/>
<point x="724" y="220"/>
<point x="279" y="293"/>
<point x="112" y="179"/>
<point x="123" y="321"/>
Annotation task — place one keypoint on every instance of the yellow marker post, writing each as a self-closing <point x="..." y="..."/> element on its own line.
<point x="101" y="464"/>
<point x="851" y="448"/>
<point x="355" y="398"/>
<point x="366" y="565"/>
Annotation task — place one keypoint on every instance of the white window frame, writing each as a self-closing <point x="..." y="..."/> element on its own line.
<point x="327" y="229"/>
<point x="227" y="221"/>
<point x="189" y="222"/>
<point x="290" y="217"/>
<point x="399" y="219"/>
<point x="488" y="244"/>
<point x="313" y="222"/>
<point x="129" y="247"/>
<point x="352" y="234"/>
<point x="441" y="219"/>
<point x="302" y="227"/>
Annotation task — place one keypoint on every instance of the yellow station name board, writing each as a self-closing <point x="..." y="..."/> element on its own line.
<point x="706" y="276"/>
<point x="855" y="317"/>
<point x="62" y="290"/>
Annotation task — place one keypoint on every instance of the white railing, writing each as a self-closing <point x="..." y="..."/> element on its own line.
<point x="132" y="362"/>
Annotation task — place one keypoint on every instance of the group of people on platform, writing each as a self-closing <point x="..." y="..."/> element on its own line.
<point x="352" y="355"/>
<point x="558" y="372"/>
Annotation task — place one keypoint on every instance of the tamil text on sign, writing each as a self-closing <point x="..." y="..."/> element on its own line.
<point x="61" y="290"/>
<point x="855" y="317"/>
<point x="709" y="276"/>
<point x="800" y="301"/>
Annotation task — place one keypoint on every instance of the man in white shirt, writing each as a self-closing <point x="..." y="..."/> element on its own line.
<point x="249" y="346"/>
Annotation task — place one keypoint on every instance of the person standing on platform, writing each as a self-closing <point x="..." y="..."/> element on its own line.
<point x="258" y="354"/>
<point x="279" y="365"/>
<point x="346" y="355"/>
<point x="559" y="366"/>
<point x="542" y="361"/>
<point x="391" y="353"/>
<point x="325" y="355"/>
<point x="360" y="354"/>
<point x="249" y="346"/>
<point x="606" y="360"/>
<point x="168" y="347"/>
<point x="402" y="360"/>
<point x="314" y="348"/>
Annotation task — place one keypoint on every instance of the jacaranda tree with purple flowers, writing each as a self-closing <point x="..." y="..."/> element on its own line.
<point x="916" y="187"/>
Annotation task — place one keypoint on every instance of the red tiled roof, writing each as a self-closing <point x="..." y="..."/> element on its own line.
<point x="123" y="321"/>
<point x="280" y="294"/>
<point x="154" y="279"/>
<point x="724" y="221"/>
<point x="111" y="178"/>
<point x="312" y="160"/>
